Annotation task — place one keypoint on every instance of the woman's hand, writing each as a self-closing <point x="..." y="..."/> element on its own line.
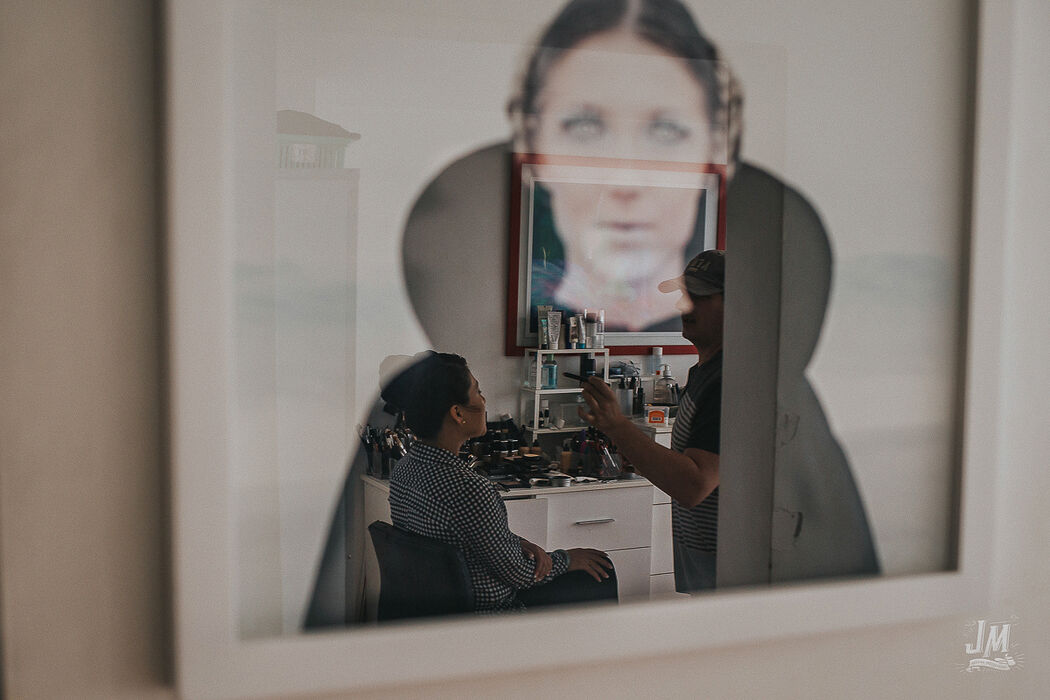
<point x="542" y="559"/>
<point x="594" y="562"/>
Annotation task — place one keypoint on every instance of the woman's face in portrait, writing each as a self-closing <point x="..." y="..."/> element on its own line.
<point x="618" y="96"/>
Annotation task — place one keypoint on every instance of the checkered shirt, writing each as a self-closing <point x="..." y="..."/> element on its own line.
<point x="435" y="493"/>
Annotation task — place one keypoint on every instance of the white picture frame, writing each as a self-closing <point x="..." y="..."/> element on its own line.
<point x="213" y="661"/>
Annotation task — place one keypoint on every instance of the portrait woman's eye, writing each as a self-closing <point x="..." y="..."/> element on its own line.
<point x="584" y="126"/>
<point x="667" y="131"/>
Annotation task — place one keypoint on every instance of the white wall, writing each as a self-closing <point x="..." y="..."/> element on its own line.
<point x="82" y="553"/>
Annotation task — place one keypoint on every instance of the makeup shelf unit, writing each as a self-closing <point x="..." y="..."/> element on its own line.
<point x="532" y="396"/>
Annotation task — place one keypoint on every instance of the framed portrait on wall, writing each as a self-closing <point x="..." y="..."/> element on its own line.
<point x="601" y="234"/>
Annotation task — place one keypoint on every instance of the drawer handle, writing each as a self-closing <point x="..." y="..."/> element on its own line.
<point x="596" y="521"/>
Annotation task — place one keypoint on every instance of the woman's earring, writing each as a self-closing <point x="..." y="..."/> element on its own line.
<point x="464" y="420"/>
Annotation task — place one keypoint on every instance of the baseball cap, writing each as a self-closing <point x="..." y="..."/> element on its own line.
<point x="704" y="275"/>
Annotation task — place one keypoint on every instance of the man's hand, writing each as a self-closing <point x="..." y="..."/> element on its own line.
<point x="604" y="412"/>
<point x="542" y="559"/>
<point x="593" y="561"/>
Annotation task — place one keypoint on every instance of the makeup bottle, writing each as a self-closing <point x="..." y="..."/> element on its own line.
<point x="657" y="361"/>
<point x="550" y="373"/>
<point x="664" y="392"/>
<point x="639" y="401"/>
<point x="566" y="459"/>
<point x="574" y="332"/>
<point x="590" y="323"/>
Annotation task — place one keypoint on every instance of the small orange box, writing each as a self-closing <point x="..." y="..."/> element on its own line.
<point x="656" y="415"/>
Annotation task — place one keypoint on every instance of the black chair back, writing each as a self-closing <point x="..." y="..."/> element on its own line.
<point x="419" y="576"/>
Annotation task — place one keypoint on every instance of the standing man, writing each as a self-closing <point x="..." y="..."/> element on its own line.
<point x="688" y="472"/>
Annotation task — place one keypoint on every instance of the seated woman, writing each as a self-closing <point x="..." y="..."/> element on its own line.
<point x="435" y="493"/>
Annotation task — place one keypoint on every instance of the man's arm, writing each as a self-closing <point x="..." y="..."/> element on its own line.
<point x="688" y="477"/>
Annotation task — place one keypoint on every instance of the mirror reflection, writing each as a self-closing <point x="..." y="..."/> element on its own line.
<point x="449" y="179"/>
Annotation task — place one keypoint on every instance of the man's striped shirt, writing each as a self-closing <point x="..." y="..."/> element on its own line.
<point x="698" y="424"/>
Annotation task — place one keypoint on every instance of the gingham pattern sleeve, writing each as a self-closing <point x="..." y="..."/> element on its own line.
<point x="434" y="493"/>
<point x="490" y="541"/>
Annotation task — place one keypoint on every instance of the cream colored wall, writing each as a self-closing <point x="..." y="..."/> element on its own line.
<point x="83" y="597"/>
<point x="83" y="554"/>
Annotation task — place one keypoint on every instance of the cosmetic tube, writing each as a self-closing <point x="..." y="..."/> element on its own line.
<point x="541" y="313"/>
<point x="554" y="329"/>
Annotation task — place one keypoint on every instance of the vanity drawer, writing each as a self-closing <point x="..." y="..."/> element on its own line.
<point x="632" y="573"/>
<point x="618" y="518"/>
<point x="662" y="586"/>
<point x="527" y="517"/>
<point x="663" y="549"/>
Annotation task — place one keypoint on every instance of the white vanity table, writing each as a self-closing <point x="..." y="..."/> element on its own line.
<point x="629" y="519"/>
